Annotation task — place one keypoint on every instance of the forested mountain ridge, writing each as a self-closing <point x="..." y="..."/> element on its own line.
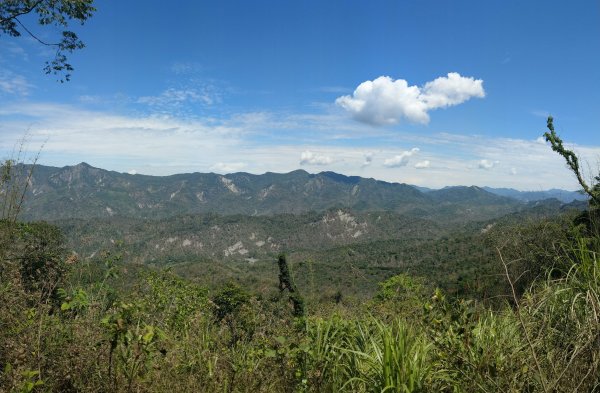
<point x="82" y="191"/>
<point x="239" y="237"/>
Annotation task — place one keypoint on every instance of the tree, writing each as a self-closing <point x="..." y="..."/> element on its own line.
<point x="593" y="191"/>
<point x="591" y="218"/>
<point x="58" y="13"/>
<point x="286" y="282"/>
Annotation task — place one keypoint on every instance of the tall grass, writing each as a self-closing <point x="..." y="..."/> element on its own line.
<point x="368" y="356"/>
<point x="563" y="316"/>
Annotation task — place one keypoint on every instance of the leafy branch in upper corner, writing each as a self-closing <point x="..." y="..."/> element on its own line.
<point x="573" y="162"/>
<point x="49" y="12"/>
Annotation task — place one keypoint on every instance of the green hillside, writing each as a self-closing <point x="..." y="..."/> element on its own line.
<point x="82" y="191"/>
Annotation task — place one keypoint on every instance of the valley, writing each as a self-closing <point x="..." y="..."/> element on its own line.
<point x="342" y="234"/>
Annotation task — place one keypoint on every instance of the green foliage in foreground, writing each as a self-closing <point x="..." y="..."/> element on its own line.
<point x="124" y="328"/>
<point x="69" y="326"/>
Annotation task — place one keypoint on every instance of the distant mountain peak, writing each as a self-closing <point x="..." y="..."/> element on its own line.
<point x="530" y="196"/>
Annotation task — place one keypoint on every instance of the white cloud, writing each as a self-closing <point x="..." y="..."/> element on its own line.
<point x="487" y="164"/>
<point x="132" y="172"/>
<point x="228" y="167"/>
<point x="13" y="50"/>
<point x="422" y="164"/>
<point x="174" y="96"/>
<point x="387" y="101"/>
<point x="451" y="90"/>
<point x="164" y="145"/>
<point x="400" y="159"/>
<point x="309" y="158"/>
<point x="150" y="144"/>
<point x="90" y="99"/>
<point x="513" y="171"/>
<point x="14" y="84"/>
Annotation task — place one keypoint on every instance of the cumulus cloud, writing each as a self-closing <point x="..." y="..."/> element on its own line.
<point x="487" y="164"/>
<point x="309" y="158"/>
<point x="451" y="90"/>
<point x="422" y="164"/>
<point x="228" y="167"/>
<point x="400" y="159"/>
<point x="387" y="101"/>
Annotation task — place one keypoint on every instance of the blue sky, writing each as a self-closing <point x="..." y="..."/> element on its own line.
<point x="432" y="93"/>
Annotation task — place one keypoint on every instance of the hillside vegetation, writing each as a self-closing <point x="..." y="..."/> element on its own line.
<point x="85" y="192"/>
<point x="506" y="299"/>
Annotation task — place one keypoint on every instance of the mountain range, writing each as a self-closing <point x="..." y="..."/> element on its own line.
<point x="84" y="192"/>
<point x="338" y="231"/>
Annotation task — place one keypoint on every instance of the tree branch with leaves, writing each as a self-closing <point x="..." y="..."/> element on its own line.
<point x="573" y="163"/>
<point x="58" y="13"/>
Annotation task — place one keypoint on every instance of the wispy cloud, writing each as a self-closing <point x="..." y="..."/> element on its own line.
<point x="14" y="51"/>
<point x="176" y="97"/>
<point x="186" y="68"/>
<point x="134" y="141"/>
<point x="261" y="142"/>
<point x="187" y="91"/>
<point x="14" y="84"/>
<point x="388" y="101"/>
